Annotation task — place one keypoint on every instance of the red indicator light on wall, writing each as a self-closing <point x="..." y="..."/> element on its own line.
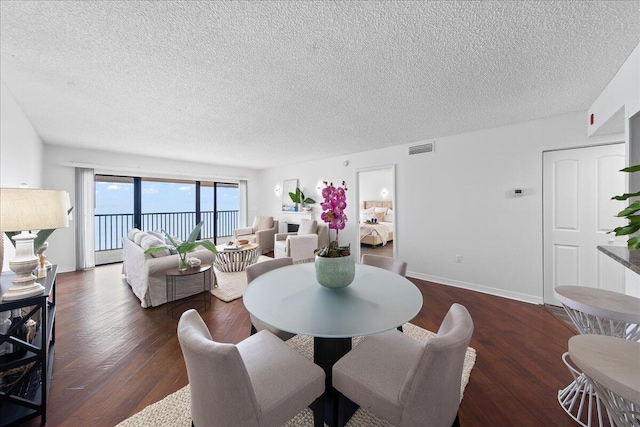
<point x="591" y="119"/>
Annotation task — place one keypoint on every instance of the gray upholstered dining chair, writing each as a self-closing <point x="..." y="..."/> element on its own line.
<point x="261" y="381"/>
<point x="256" y="270"/>
<point x="405" y="382"/>
<point x="392" y="264"/>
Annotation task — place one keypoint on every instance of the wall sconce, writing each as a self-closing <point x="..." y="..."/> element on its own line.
<point x="278" y="190"/>
<point x="384" y="193"/>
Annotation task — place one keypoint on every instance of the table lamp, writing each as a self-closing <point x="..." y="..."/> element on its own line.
<point x="26" y="209"/>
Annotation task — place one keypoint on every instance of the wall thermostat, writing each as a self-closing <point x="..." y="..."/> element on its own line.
<point x="518" y="192"/>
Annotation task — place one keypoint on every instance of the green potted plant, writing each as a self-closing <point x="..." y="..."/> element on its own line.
<point x="335" y="267"/>
<point x="631" y="213"/>
<point x="182" y="248"/>
<point x="299" y="198"/>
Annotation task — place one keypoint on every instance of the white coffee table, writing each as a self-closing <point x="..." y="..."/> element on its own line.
<point x="233" y="260"/>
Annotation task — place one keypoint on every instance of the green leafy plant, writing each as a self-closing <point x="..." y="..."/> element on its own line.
<point x="184" y="247"/>
<point x="333" y="250"/>
<point x="632" y="213"/>
<point x="298" y="197"/>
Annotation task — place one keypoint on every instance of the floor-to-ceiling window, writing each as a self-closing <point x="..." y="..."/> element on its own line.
<point x="173" y="206"/>
<point x="169" y="206"/>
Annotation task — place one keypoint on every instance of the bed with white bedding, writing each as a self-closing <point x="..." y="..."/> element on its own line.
<point x="379" y="233"/>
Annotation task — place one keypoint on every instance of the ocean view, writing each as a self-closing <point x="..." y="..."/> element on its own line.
<point x="169" y="198"/>
<point x="117" y="198"/>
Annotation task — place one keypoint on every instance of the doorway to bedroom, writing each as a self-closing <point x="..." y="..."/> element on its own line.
<point x="377" y="211"/>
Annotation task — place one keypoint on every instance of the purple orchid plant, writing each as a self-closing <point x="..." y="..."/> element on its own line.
<point x="333" y="206"/>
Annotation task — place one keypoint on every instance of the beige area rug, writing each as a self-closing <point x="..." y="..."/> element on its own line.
<point x="230" y="286"/>
<point x="174" y="410"/>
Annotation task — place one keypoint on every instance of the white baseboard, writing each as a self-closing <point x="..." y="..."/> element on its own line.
<point x="532" y="299"/>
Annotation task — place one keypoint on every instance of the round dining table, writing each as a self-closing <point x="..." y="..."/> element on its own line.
<point x="290" y="299"/>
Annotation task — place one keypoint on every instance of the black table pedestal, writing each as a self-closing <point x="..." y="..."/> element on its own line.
<point x="326" y="352"/>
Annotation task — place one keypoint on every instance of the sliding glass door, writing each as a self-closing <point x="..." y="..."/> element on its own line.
<point x="114" y="215"/>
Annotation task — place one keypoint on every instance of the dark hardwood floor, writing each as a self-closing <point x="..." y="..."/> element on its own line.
<point x="113" y="357"/>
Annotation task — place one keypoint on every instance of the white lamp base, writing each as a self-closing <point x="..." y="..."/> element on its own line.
<point x="21" y="291"/>
<point x="24" y="284"/>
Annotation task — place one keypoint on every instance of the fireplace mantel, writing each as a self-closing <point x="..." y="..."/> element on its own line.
<point x="293" y="218"/>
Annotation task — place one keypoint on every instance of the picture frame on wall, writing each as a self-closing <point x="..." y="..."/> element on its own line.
<point x="289" y="186"/>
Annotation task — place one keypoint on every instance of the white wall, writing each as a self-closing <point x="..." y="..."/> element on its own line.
<point x="622" y="90"/>
<point x="457" y="200"/>
<point x="20" y="153"/>
<point x="371" y="184"/>
<point x="62" y="242"/>
<point x="20" y="145"/>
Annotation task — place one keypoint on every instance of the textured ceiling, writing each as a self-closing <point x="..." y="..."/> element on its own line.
<point x="260" y="84"/>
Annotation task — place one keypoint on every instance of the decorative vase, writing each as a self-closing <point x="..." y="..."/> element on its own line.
<point x="336" y="272"/>
<point x="182" y="264"/>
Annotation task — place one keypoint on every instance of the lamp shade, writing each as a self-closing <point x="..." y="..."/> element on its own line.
<point x="31" y="209"/>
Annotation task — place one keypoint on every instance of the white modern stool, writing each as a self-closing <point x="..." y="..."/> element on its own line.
<point x="611" y="366"/>
<point x="594" y="312"/>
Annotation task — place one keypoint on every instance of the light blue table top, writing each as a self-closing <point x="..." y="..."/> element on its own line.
<point x="290" y="299"/>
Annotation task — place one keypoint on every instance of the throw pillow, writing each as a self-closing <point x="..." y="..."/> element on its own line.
<point x="379" y="215"/>
<point x="383" y="210"/>
<point x="172" y="250"/>
<point x="131" y="234"/>
<point x="152" y="241"/>
<point x="158" y="234"/>
<point x="366" y="214"/>
<point x="389" y="216"/>
<point x="307" y="227"/>
<point x="138" y="237"/>
<point x="262" y="223"/>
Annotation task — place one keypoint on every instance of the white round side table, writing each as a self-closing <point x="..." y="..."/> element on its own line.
<point x="594" y="312"/>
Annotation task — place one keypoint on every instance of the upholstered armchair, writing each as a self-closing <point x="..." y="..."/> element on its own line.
<point x="300" y="245"/>
<point x="261" y="232"/>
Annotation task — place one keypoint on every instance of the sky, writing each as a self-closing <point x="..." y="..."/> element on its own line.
<point x="117" y="198"/>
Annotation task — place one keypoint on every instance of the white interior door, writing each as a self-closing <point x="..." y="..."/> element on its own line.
<point x="578" y="212"/>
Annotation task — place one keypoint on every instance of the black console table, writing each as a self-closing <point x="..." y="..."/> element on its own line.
<point x="24" y="380"/>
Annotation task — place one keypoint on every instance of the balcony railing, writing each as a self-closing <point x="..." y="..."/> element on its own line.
<point x="109" y="228"/>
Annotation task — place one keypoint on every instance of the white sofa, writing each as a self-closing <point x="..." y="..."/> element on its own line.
<point x="146" y="273"/>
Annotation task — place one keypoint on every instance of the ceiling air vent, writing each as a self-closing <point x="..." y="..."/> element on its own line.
<point x="424" y="148"/>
